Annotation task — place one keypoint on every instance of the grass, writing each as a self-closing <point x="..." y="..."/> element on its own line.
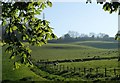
<point x="93" y="64"/>
<point x="99" y="44"/>
<point x="77" y="50"/>
<point x="69" y="51"/>
<point x="23" y="72"/>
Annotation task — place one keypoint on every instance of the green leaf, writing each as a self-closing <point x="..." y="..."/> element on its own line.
<point x="43" y="6"/>
<point x="27" y="64"/>
<point x="43" y="41"/>
<point x="106" y="6"/>
<point x="12" y="57"/>
<point x="117" y="37"/>
<point x="4" y="23"/>
<point x="9" y="49"/>
<point x="54" y="36"/>
<point x="24" y="27"/>
<point x="25" y="20"/>
<point x="33" y="39"/>
<point x="29" y="51"/>
<point x="30" y="5"/>
<point x="33" y="19"/>
<point x="17" y="65"/>
<point x="10" y="30"/>
<point x="47" y="36"/>
<point x="24" y="55"/>
<point x="44" y="22"/>
<point x="49" y="29"/>
<point x="37" y="12"/>
<point x="49" y="3"/>
<point x="21" y="14"/>
<point x="24" y="38"/>
<point x="14" y="28"/>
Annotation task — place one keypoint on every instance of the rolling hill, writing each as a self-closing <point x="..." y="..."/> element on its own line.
<point x="52" y="51"/>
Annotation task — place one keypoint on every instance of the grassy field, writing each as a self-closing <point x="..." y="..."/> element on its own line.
<point x="76" y="50"/>
<point x="94" y="64"/>
<point x="22" y="73"/>
<point x="69" y="51"/>
<point x="99" y="44"/>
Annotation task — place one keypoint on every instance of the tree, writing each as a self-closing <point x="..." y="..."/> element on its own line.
<point x="100" y="35"/>
<point x="67" y="36"/>
<point x="82" y="35"/>
<point x="110" y="6"/>
<point x="73" y="34"/>
<point x="106" y="36"/>
<point x="19" y="18"/>
<point x="92" y="35"/>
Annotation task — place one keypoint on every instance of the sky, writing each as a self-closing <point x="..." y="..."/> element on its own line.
<point x="74" y="15"/>
<point x="81" y="17"/>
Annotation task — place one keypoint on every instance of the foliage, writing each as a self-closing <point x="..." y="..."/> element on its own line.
<point x="111" y="7"/>
<point x="20" y="24"/>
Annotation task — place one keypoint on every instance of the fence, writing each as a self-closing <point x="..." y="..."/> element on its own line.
<point x="102" y="72"/>
<point x="54" y="67"/>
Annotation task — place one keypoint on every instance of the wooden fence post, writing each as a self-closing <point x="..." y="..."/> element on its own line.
<point x="79" y="70"/>
<point x="84" y="70"/>
<point x="74" y="69"/>
<point x="67" y="68"/>
<point x="90" y="70"/>
<point x="114" y="71"/>
<point x="46" y="60"/>
<point x="105" y="72"/>
<point x="60" y="67"/>
<point x="53" y="66"/>
<point x="71" y="69"/>
<point x="63" y="67"/>
<point x="57" y="67"/>
<point x="96" y="70"/>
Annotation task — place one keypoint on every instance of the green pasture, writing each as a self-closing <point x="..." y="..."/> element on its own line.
<point x="99" y="44"/>
<point x="93" y="64"/>
<point x="77" y="50"/>
<point x="69" y="51"/>
<point x="22" y="73"/>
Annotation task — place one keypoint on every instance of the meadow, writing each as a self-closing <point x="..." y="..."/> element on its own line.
<point x="64" y="52"/>
<point x="70" y="51"/>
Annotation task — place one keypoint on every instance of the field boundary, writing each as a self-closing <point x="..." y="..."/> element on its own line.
<point x="46" y="61"/>
<point x="84" y="73"/>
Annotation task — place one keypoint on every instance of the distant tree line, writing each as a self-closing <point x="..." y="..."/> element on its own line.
<point x="73" y="36"/>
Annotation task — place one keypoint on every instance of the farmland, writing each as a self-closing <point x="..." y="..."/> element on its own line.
<point x="70" y="51"/>
<point x="72" y="62"/>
